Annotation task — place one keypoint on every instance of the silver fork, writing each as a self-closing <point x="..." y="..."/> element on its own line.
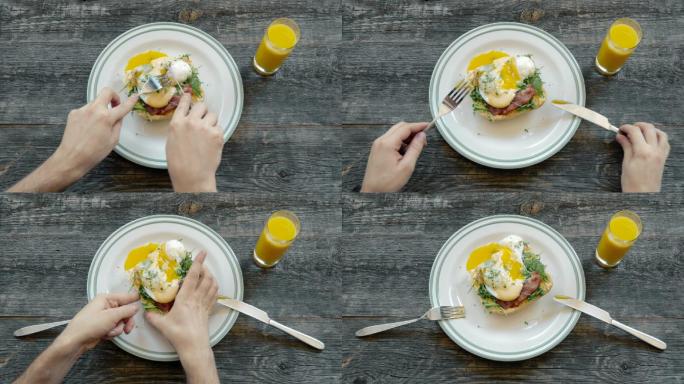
<point x="436" y="313"/>
<point x="450" y="102"/>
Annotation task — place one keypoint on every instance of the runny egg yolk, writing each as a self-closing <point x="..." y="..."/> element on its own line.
<point x="485" y="58"/>
<point x="166" y="263"/>
<point x="485" y="252"/>
<point x="142" y="59"/>
<point x="509" y="74"/>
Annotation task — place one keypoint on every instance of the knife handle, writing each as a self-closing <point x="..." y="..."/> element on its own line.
<point x="643" y="336"/>
<point x="296" y="334"/>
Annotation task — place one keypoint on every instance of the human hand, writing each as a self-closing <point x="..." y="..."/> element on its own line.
<point x="193" y="148"/>
<point x="186" y="325"/>
<point x="92" y="131"/>
<point x="387" y="169"/>
<point x="105" y="317"/>
<point x="646" y="149"/>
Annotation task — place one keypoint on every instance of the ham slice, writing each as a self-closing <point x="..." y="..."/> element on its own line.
<point x="530" y="285"/>
<point x="522" y="97"/>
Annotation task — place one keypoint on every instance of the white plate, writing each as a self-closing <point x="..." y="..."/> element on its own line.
<point x="527" y="139"/>
<point x="144" y="142"/>
<point x="532" y="330"/>
<point x="107" y="275"/>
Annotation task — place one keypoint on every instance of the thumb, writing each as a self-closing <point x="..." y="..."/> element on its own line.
<point x="123" y="312"/>
<point x="414" y="149"/>
<point x="154" y="318"/>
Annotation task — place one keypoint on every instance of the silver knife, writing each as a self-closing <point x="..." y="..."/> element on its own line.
<point x="262" y="316"/>
<point x="605" y="316"/>
<point x="586" y="114"/>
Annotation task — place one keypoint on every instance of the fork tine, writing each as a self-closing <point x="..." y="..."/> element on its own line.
<point x="452" y="100"/>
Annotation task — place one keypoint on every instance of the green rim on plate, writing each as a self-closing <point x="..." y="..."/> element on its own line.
<point x="461" y="339"/>
<point x="489" y="161"/>
<point x="218" y="48"/>
<point x="96" y="264"/>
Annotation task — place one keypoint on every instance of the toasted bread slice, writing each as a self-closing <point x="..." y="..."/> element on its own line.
<point x="536" y="102"/>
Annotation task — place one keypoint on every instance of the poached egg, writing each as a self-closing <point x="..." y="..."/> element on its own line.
<point x="499" y="266"/>
<point x="498" y="75"/>
<point x="154" y="267"/>
<point x="157" y="64"/>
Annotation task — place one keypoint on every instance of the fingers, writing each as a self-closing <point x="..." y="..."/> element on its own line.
<point x="625" y="144"/>
<point x="154" y="318"/>
<point x="183" y="107"/>
<point x="116" y="331"/>
<point x="211" y="118"/>
<point x="198" y="110"/>
<point x="192" y="279"/>
<point x="107" y="96"/>
<point x="120" y="111"/>
<point x="119" y="299"/>
<point x="636" y="137"/>
<point x="123" y="312"/>
<point x="663" y="141"/>
<point x="401" y="131"/>
<point x="649" y="132"/>
<point x="129" y="324"/>
<point x="414" y="149"/>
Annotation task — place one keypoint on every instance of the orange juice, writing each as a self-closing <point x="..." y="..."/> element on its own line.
<point x="281" y="228"/>
<point x="618" y="237"/>
<point x="278" y="41"/>
<point x="620" y="41"/>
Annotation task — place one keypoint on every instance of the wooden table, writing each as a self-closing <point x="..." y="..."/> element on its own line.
<point x="360" y="67"/>
<point x="389" y="243"/>
<point x="359" y="261"/>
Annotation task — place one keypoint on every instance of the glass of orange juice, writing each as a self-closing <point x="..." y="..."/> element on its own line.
<point x="279" y="40"/>
<point x="280" y="230"/>
<point x="622" y="231"/>
<point x="622" y="38"/>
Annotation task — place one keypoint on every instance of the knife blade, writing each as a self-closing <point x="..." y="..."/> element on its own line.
<point x="262" y="316"/>
<point x="586" y="114"/>
<point x="603" y="315"/>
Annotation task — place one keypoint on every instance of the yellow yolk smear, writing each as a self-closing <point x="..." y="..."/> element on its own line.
<point x="282" y="228"/>
<point x="624" y="36"/>
<point x="509" y="74"/>
<point x="166" y="263"/>
<point x="142" y="59"/>
<point x="624" y="228"/>
<point x="138" y="255"/>
<point x="485" y="252"/>
<point x="282" y="36"/>
<point x="485" y="59"/>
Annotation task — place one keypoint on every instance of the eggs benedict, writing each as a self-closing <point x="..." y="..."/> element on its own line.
<point x="504" y="86"/>
<point x="507" y="275"/>
<point x="161" y="81"/>
<point x="156" y="271"/>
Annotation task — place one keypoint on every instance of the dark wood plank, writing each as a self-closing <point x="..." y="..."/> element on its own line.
<point x="389" y="243"/>
<point x="53" y="238"/>
<point x="389" y="50"/>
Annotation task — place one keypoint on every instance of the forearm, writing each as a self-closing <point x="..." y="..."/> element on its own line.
<point x="53" y="364"/>
<point x="199" y="366"/>
<point x="54" y="175"/>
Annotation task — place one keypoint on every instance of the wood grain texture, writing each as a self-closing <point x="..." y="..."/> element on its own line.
<point x="53" y="239"/>
<point x="287" y="138"/>
<point x="389" y="50"/>
<point x="389" y="243"/>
